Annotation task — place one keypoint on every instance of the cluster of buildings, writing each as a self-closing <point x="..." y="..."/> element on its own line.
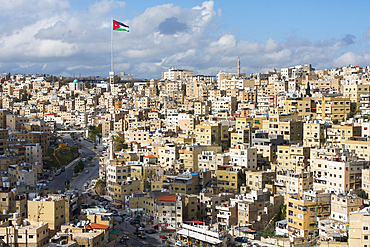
<point x="209" y="158"/>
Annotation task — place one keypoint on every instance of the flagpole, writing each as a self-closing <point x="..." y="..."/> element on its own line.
<point x="111" y="46"/>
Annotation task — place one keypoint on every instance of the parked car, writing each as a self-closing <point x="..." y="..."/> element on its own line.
<point x="51" y="179"/>
<point x="163" y="236"/>
<point x="125" y="237"/>
<point x="241" y="239"/>
<point x="86" y="171"/>
<point x="150" y="231"/>
<point x="180" y="243"/>
<point x="133" y="223"/>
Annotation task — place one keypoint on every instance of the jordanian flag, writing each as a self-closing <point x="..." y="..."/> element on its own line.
<point x="119" y="26"/>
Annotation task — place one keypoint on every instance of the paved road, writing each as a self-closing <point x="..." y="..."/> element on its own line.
<point x="59" y="181"/>
<point x="93" y="168"/>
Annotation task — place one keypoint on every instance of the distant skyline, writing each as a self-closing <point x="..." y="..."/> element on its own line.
<point x="62" y="37"/>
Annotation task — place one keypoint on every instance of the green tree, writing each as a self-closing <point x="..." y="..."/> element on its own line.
<point x="157" y="87"/>
<point x="120" y="143"/>
<point x="87" y="85"/>
<point x="335" y="121"/>
<point x="308" y="90"/>
<point x="95" y="131"/>
<point x="351" y="114"/>
<point x="116" y="79"/>
<point x="361" y="193"/>
<point x="24" y="97"/>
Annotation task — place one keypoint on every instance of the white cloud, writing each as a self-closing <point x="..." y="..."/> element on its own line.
<point x="78" y="41"/>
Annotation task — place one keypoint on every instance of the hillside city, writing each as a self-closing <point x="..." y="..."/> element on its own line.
<point x="268" y="159"/>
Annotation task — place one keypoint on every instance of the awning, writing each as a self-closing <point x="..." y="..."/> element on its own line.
<point x="192" y="221"/>
<point x="97" y="226"/>
<point x="199" y="236"/>
<point x="162" y="224"/>
<point x="116" y="203"/>
<point x="154" y="225"/>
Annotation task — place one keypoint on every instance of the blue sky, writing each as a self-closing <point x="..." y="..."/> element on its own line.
<point x="62" y="37"/>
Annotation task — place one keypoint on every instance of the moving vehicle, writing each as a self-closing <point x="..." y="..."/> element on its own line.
<point x="163" y="236"/>
<point x="125" y="237"/>
<point x="86" y="171"/>
<point x="142" y="235"/>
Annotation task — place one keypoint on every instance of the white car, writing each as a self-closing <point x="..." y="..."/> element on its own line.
<point x="86" y="171"/>
<point x="180" y="243"/>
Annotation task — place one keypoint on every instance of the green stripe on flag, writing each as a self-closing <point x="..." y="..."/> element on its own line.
<point x="121" y="29"/>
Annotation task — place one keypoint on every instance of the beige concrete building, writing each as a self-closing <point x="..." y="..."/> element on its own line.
<point x="292" y="158"/>
<point x="212" y="134"/>
<point x="314" y="134"/>
<point x="361" y="148"/>
<point x="333" y="107"/>
<point x="366" y="180"/>
<point x="174" y="74"/>
<point x="228" y="179"/>
<point x="167" y="154"/>
<point x="227" y="214"/>
<point x="287" y="182"/>
<point x="337" y="171"/>
<point x="207" y="203"/>
<point x="21" y="232"/>
<point x="343" y="204"/>
<point x="210" y="160"/>
<point x="244" y="156"/>
<point x="359" y="223"/>
<point x="354" y="91"/>
<point x="33" y="153"/>
<point x="139" y="136"/>
<point x="53" y="210"/>
<point x="168" y="209"/>
<point x="301" y="212"/>
<point x="290" y="129"/>
<point x="257" y="180"/>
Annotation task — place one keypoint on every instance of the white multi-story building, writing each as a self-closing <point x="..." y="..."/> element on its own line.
<point x="244" y="156"/>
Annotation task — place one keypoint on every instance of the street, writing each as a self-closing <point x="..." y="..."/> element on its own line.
<point x="59" y="181"/>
